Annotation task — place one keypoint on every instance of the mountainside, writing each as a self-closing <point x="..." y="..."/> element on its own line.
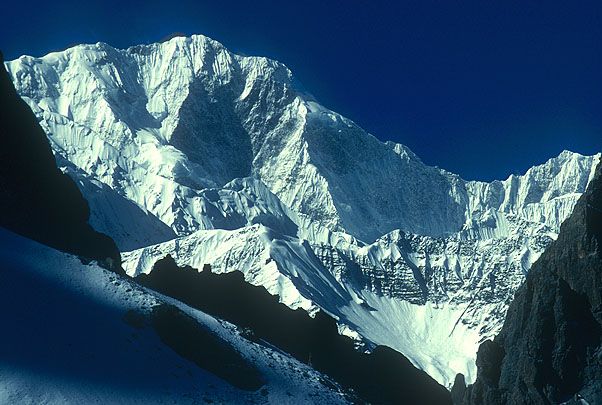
<point x="130" y="226"/>
<point x="428" y="298"/>
<point x="160" y="122"/>
<point x="38" y="200"/>
<point x="550" y="347"/>
<point x="383" y="376"/>
<point x="226" y="152"/>
<point x="79" y="334"/>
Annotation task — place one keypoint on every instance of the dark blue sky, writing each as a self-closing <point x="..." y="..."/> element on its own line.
<point x="483" y="88"/>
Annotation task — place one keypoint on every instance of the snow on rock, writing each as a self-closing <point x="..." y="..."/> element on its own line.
<point x="160" y="122"/>
<point x="130" y="225"/>
<point x="402" y="291"/>
<point x="252" y="174"/>
<point x="545" y="194"/>
<point x="285" y="266"/>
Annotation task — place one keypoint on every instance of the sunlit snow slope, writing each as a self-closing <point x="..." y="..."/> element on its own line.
<point x="250" y="173"/>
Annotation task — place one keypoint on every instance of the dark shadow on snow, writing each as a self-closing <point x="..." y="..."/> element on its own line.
<point x="57" y="331"/>
<point x="200" y="345"/>
<point x="384" y="376"/>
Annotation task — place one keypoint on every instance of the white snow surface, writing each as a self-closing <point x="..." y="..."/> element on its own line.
<point x="66" y="341"/>
<point x="184" y="138"/>
<point x="160" y="122"/>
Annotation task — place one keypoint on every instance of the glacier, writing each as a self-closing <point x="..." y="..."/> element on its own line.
<point x="185" y="148"/>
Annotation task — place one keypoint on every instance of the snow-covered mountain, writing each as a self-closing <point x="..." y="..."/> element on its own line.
<point x="160" y="122"/>
<point x="226" y="152"/>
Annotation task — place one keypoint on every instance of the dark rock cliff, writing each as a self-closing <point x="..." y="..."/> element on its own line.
<point x="549" y="349"/>
<point x="37" y="200"/>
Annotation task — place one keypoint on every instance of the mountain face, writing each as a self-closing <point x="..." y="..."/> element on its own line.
<point x="184" y="148"/>
<point x="38" y="200"/>
<point x="550" y="347"/>
<point x="160" y="122"/>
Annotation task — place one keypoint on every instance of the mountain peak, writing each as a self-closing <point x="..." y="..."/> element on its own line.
<point x="244" y="168"/>
<point x="205" y="116"/>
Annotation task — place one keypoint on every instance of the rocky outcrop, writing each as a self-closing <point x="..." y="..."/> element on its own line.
<point x="39" y="201"/>
<point x="550" y="347"/>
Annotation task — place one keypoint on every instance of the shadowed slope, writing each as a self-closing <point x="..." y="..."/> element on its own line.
<point x="79" y="334"/>
<point x="203" y="347"/>
<point x="384" y="376"/>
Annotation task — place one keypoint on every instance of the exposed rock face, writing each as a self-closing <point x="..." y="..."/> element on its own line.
<point x="549" y="349"/>
<point x="39" y="201"/>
